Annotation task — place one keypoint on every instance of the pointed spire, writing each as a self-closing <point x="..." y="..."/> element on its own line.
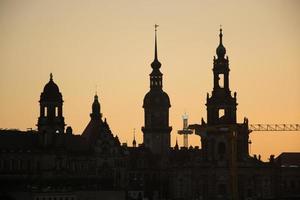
<point x="51" y="77"/>
<point x="155" y="48"/>
<point x="155" y="64"/>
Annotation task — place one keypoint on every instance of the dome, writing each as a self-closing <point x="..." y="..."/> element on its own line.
<point x="51" y="91"/>
<point x="156" y="99"/>
<point x="221" y="51"/>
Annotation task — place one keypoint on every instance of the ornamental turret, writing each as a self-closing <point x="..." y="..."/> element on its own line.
<point x="51" y="118"/>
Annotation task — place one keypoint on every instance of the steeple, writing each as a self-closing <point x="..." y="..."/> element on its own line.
<point x="156" y="107"/>
<point x="221" y="106"/>
<point x="96" y="114"/>
<point x="221" y="51"/>
<point x="155" y="64"/>
<point x="156" y="75"/>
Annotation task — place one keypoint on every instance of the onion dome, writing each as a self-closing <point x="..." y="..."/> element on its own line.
<point x="221" y="51"/>
<point x="51" y="91"/>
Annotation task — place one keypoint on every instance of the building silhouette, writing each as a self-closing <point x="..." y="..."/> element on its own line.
<point x="54" y="164"/>
<point x="156" y="131"/>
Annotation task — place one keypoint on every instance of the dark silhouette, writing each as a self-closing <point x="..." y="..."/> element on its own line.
<point x="54" y="164"/>
<point x="156" y="108"/>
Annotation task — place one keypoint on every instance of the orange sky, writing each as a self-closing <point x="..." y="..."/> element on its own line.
<point x="110" y="44"/>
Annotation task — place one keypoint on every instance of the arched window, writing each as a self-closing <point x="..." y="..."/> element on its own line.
<point x="221" y="80"/>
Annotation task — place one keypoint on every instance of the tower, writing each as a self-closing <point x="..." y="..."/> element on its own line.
<point x="222" y="138"/>
<point x="221" y="106"/>
<point x="51" y="118"/>
<point x="156" y="129"/>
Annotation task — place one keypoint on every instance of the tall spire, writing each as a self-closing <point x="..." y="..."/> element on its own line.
<point x="155" y="64"/>
<point x="155" y="50"/>
<point x="51" y="77"/>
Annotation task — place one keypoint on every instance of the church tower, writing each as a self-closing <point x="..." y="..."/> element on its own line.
<point x="217" y="142"/>
<point x="51" y="118"/>
<point x="156" y="106"/>
<point x="221" y="106"/>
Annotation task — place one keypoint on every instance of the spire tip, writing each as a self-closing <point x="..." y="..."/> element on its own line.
<point x="155" y="50"/>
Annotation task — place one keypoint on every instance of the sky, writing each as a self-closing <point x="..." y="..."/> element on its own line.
<point x="108" y="46"/>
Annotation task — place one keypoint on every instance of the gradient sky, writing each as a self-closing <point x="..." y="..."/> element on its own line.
<point x="110" y="44"/>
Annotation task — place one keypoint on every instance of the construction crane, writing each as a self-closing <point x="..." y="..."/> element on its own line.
<point x="185" y="130"/>
<point x="274" y="127"/>
<point x="232" y="129"/>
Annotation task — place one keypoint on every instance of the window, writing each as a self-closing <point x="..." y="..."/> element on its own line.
<point x="56" y="111"/>
<point x="221" y="80"/>
<point x="221" y="113"/>
<point x="45" y="111"/>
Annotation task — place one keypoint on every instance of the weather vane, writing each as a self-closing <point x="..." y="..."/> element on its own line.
<point x="155" y="26"/>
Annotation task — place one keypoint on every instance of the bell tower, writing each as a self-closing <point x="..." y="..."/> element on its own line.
<point x="51" y="118"/>
<point x="156" y="129"/>
<point x="221" y="106"/>
<point x="223" y="138"/>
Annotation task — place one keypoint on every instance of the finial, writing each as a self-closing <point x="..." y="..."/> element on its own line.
<point x="155" y="50"/>
<point x="134" y="141"/>
<point x="221" y="34"/>
<point x="51" y="76"/>
<point x="96" y="91"/>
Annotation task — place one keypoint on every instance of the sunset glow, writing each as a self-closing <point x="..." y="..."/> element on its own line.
<point x="108" y="46"/>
